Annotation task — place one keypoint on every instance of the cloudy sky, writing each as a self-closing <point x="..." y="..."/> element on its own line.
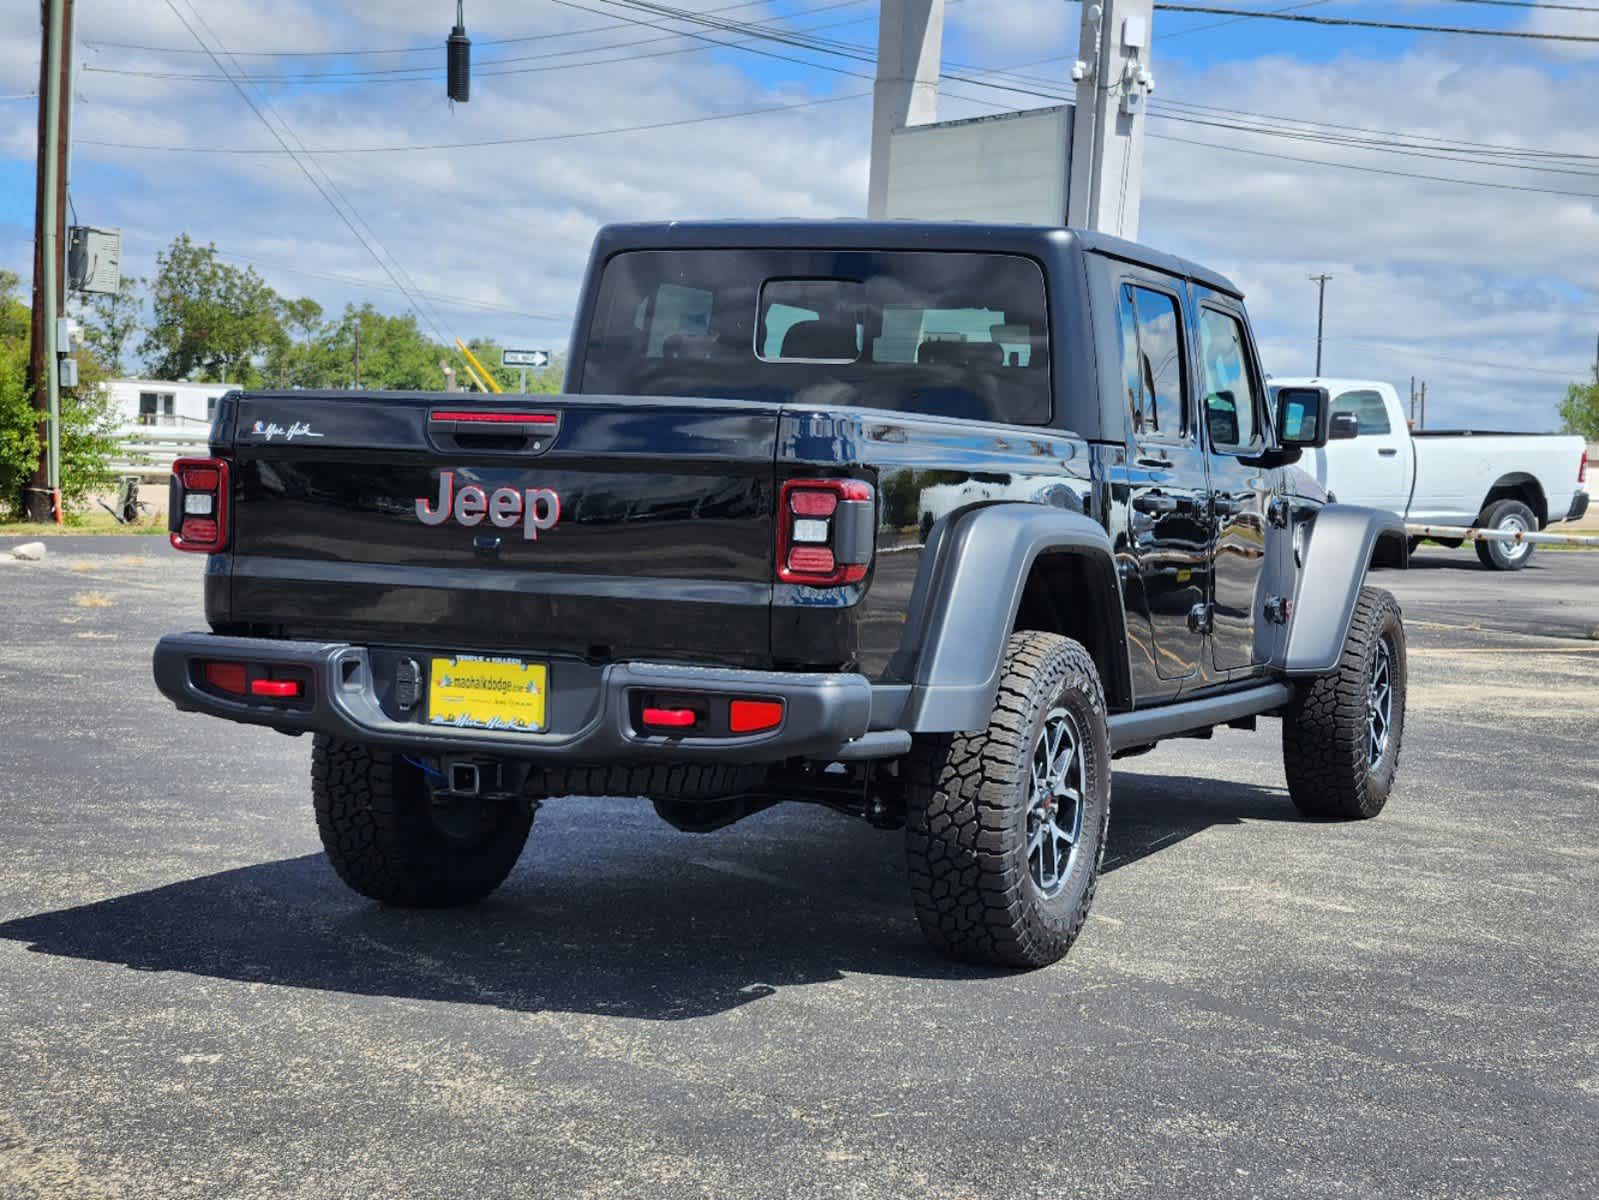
<point x="1490" y="293"/>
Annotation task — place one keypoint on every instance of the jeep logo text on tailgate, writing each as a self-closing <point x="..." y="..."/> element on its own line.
<point x="536" y="510"/>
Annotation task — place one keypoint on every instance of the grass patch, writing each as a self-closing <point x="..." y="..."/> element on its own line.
<point x="84" y="522"/>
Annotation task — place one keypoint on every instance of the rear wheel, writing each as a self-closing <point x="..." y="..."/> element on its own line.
<point x="1343" y="732"/>
<point x="391" y="836"/>
<point x="1005" y="827"/>
<point x="1507" y="516"/>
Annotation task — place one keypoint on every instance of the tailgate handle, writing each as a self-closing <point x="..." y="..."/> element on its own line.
<point x="506" y="430"/>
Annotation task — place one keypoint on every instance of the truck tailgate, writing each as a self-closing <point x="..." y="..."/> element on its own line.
<point x="588" y="525"/>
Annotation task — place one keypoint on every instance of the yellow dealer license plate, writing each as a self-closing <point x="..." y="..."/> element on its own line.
<point x="477" y="692"/>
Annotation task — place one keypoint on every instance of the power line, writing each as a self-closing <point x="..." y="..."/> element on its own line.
<point x="1322" y="162"/>
<point x="515" y="141"/>
<point x="1353" y="22"/>
<point x="434" y="318"/>
<point x="429" y="49"/>
<point x="432" y="71"/>
<point x="1408" y="149"/>
<point x="1484" y="146"/>
<point x="460" y="303"/>
<point x="304" y="168"/>
<point x="1401" y="347"/>
<point x="1531" y="4"/>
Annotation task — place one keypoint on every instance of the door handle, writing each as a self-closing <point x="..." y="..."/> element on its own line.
<point x="1154" y="502"/>
<point x="1226" y="506"/>
<point x="1388" y="451"/>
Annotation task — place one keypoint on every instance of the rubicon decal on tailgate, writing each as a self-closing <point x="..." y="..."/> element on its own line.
<point x="536" y="510"/>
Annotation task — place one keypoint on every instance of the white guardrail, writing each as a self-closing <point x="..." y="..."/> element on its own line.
<point x="148" y="453"/>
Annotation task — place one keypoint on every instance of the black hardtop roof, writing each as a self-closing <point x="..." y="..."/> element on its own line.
<point x="1039" y="241"/>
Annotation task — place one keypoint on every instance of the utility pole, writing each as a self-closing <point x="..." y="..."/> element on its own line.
<point x="1321" y="312"/>
<point x="357" y="336"/>
<point x="910" y="46"/>
<point x="1113" y="82"/>
<point x="1422" y="424"/>
<point x="42" y="497"/>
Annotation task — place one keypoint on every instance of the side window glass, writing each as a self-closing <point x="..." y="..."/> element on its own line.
<point x="1369" y="410"/>
<point x="1132" y="374"/>
<point x="1152" y="363"/>
<point x="1231" y="411"/>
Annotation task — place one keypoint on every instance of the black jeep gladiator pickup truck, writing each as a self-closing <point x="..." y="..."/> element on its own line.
<point x="923" y="522"/>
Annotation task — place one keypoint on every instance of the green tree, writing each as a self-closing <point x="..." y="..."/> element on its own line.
<point x="395" y="355"/>
<point x="110" y="321"/>
<point x="19" y="440"/>
<point x="294" y="359"/>
<point x="1580" y="409"/>
<point x="87" y="416"/>
<point x="208" y="320"/>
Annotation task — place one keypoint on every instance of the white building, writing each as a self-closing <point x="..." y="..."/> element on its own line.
<point x="143" y="403"/>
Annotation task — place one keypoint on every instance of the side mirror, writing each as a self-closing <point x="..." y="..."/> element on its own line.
<point x="1345" y="425"/>
<point x="1304" y="417"/>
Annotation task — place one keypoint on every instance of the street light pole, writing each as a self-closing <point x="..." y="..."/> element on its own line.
<point x="1321" y="312"/>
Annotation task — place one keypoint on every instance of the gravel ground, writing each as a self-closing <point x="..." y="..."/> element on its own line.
<point x="192" y="1005"/>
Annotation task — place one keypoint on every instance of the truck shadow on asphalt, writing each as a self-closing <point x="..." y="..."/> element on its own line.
<point x="610" y="912"/>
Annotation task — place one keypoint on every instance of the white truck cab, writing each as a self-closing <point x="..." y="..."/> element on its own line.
<point x="1467" y="478"/>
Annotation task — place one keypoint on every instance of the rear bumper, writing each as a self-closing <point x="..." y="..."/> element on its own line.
<point x="1579" y="507"/>
<point x="826" y="715"/>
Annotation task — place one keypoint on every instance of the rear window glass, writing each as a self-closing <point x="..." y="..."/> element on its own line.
<point x="958" y="335"/>
<point x="1369" y="410"/>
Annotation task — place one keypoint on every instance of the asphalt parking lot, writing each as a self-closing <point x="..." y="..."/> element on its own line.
<point x="192" y="1005"/>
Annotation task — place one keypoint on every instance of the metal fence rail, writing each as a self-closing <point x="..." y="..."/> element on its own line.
<point x="148" y="453"/>
<point x="1460" y="532"/>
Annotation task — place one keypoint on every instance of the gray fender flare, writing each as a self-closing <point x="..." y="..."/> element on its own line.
<point x="968" y="590"/>
<point x="1344" y="541"/>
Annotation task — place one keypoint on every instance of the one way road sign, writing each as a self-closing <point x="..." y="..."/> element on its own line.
<point x="524" y="358"/>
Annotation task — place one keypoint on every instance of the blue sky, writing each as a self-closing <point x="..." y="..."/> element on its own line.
<point x="1491" y="294"/>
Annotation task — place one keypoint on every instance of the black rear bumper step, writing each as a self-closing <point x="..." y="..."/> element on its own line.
<point x="826" y="714"/>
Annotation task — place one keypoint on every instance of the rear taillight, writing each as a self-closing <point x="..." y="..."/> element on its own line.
<point x="825" y="531"/>
<point x="254" y="681"/>
<point x="1582" y="468"/>
<point x="197" y="505"/>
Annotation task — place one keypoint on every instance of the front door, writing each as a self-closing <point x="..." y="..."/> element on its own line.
<point x="1373" y="468"/>
<point x="1232" y="398"/>
<point x="1168" y="502"/>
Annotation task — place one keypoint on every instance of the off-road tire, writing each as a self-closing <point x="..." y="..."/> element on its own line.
<point x="375" y="814"/>
<point x="676" y="781"/>
<point x="967" y="799"/>
<point x="1326" y="750"/>
<point x="1502" y="556"/>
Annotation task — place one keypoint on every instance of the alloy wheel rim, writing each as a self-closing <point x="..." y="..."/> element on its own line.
<point x="1380" y="702"/>
<point x="1058" y="783"/>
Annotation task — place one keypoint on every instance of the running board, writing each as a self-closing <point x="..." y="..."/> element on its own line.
<point x="1151" y="724"/>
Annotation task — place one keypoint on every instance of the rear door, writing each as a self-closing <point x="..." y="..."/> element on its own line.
<point x="1232" y="398"/>
<point x="1168" y="517"/>
<point x="599" y="526"/>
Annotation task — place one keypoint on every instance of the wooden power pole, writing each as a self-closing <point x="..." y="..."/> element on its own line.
<point x="42" y="497"/>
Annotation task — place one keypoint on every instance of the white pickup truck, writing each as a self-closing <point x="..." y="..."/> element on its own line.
<point x="1506" y="481"/>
